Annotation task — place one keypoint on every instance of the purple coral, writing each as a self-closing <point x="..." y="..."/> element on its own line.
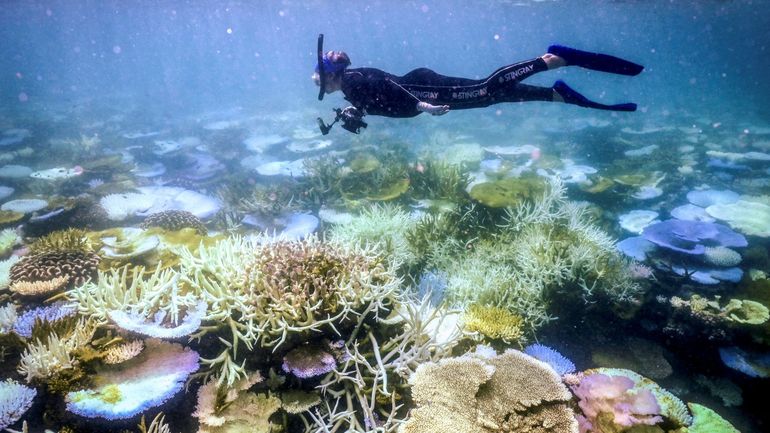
<point x="617" y="395"/>
<point x="692" y="237"/>
<point x="308" y="361"/>
<point x="49" y="313"/>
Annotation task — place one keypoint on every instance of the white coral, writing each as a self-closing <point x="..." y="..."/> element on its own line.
<point x="121" y="206"/>
<point x="15" y="399"/>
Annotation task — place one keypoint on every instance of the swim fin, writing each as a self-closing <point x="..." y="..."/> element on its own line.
<point x="571" y="96"/>
<point x="596" y="61"/>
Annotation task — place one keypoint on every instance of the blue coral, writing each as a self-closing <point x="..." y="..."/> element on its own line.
<point x="748" y="363"/>
<point x="550" y="356"/>
<point x="49" y="313"/>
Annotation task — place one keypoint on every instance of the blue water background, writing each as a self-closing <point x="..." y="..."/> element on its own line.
<point x="173" y="57"/>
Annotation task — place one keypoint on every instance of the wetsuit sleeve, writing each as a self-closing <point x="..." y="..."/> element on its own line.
<point x="376" y="93"/>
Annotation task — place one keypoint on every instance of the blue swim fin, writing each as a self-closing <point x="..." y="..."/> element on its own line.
<point x="596" y="61"/>
<point x="571" y="96"/>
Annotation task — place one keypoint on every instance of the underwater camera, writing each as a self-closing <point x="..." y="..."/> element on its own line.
<point x="351" y="118"/>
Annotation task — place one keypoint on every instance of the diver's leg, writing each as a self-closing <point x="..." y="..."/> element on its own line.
<point x="595" y="61"/>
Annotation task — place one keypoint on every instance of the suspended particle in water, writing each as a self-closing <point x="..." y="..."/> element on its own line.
<point x="116" y="49"/>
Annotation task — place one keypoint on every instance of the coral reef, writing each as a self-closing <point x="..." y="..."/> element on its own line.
<point x="174" y="220"/>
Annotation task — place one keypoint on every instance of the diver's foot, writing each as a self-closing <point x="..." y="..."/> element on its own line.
<point x="571" y="96"/>
<point x="595" y="61"/>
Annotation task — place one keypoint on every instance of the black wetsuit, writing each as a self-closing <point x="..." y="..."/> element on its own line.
<point x="380" y="93"/>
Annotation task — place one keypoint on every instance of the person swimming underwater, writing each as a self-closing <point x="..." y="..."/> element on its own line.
<point x="376" y="92"/>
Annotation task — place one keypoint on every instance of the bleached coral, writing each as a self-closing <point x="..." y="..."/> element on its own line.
<point x="43" y="359"/>
<point x="8" y="318"/>
<point x="122" y="206"/>
<point x="8" y="238"/>
<point x="144" y="382"/>
<point x="123" y="352"/>
<point x="15" y="399"/>
<point x="5" y="271"/>
<point x="157" y="328"/>
<point x="384" y="227"/>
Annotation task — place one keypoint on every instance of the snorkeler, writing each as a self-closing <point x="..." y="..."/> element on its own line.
<point x="376" y="92"/>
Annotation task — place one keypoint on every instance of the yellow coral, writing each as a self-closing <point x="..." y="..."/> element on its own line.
<point x="493" y="322"/>
<point x="63" y="240"/>
<point x="123" y="352"/>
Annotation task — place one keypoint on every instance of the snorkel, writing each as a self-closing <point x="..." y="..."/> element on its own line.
<point x="321" y="67"/>
<point x="351" y="117"/>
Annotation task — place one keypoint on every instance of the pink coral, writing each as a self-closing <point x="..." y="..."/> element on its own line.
<point x="615" y="395"/>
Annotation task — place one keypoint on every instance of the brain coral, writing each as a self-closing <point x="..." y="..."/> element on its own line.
<point x="175" y="220"/>
<point x="76" y="266"/>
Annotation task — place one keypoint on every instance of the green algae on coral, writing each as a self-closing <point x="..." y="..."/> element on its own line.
<point x="508" y="192"/>
<point x="706" y="420"/>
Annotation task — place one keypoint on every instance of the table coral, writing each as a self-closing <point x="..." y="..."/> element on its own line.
<point x="509" y="392"/>
<point x="15" y="399"/>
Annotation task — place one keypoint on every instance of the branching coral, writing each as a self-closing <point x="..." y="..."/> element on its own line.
<point x="43" y="359"/>
<point x="383" y="227"/>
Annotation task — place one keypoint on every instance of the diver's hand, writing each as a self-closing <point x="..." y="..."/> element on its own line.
<point x="436" y="110"/>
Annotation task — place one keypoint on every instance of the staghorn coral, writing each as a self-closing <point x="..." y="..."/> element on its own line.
<point x="381" y="226"/>
<point x="63" y="240"/>
<point x="493" y="322"/>
<point x="174" y="220"/>
<point x="78" y="267"/>
<point x="546" y="246"/>
<point x="134" y="292"/>
<point x="476" y="393"/>
<point x="122" y="352"/>
<point x="15" y="399"/>
<point x="43" y="360"/>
